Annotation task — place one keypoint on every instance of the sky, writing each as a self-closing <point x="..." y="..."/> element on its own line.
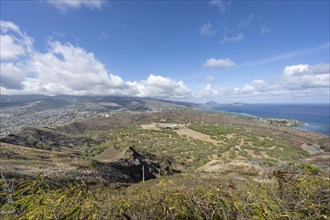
<point x="221" y="50"/>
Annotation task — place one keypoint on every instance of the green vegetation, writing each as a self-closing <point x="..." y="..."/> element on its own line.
<point x="240" y="141"/>
<point x="296" y="192"/>
<point x="223" y="162"/>
<point x="192" y="152"/>
<point x="233" y="143"/>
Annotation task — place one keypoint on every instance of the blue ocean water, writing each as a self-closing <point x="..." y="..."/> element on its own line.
<point x="315" y="116"/>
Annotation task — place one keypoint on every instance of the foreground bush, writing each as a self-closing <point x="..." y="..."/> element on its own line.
<point x="291" y="194"/>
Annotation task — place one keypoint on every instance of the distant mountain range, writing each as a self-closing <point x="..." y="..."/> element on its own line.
<point x="17" y="111"/>
<point x="211" y="103"/>
<point x="91" y="103"/>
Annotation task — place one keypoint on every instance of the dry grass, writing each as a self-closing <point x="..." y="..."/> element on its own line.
<point x="23" y="161"/>
<point x="196" y="135"/>
<point x="241" y="167"/>
<point x="109" y="154"/>
<point x="212" y="143"/>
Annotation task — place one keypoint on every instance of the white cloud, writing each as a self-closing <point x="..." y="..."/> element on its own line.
<point x="216" y="63"/>
<point x="63" y="69"/>
<point x="209" y="91"/>
<point x="222" y="5"/>
<point x="291" y="70"/>
<point x="12" y="75"/>
<point x="303" y="76"/>
<point x="13" y="42"/>
<point x="297" y="81"/>
<point x="207" y="30"/>
<point x="9" y="49"/>
<point x="69" y="69"/>
<point x="258" y="83"/>
<point x="159" y="86"/>
<point x="64" y="5"/>
<point x="239" y="37"/>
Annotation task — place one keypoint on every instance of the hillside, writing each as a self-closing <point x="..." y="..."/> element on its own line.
<point x="197" y="141"/>
<point x="53" y="111"/>
<point x="205" y="163"/>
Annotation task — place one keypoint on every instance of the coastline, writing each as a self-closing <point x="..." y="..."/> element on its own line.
<point x="302" y="121"/>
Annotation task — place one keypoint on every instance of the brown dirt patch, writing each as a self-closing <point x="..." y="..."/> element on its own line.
<point x="182" y="130"/>
<point x="150" y="127"/>
<point x="109" y="154"/>
<point x="312" y="149"/>
<point x="243" y="167"/>
<point x="196" y="135"/>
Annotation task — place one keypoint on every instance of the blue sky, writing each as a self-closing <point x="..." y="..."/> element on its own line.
<point x="227" y="51"/>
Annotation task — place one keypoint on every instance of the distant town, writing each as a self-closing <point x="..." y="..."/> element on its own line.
<point x="48" y="111"/>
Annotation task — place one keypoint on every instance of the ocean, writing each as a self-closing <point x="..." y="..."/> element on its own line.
<point x="315" y="116"/>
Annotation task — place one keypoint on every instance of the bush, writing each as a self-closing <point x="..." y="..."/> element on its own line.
<point x="289" y="195"/>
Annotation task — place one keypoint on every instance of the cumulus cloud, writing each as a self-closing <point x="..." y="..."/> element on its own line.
<point x="291" y="70"/>
<point x="217" y="63"/>
<point x="9" y="49"/>
<point x="254" y="89"/>
<point x="222" y="5"/>
<point x="13" y="42"/>
<point x="304" y="76"/>
<point x="296" y="81"/>
<point x="209" y="91"/>
<point x="72" y="69"/>
<point x="12" y="75"/>
<point x="207" y="30"/>
<point x="159" y="86"/>
<point x="69" y="69"/>
<point x="64" y="5"/>
<point x="237" y="38"/>
<point x="65" y="68"/>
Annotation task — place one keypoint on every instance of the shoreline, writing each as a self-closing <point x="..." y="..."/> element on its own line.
<point x="279" y="122"/>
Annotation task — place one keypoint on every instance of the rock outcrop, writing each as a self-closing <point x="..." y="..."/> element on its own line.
<point x="46" y="138"/>
<point x="128" y="169"/>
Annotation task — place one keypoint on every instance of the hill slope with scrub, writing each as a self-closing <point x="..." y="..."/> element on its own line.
<point x="195" y="165"/>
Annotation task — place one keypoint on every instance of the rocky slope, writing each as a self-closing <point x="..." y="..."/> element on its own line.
<point x="46" y="138"/>
<point x="133" y="167"/>
<point x="21" y="162"/>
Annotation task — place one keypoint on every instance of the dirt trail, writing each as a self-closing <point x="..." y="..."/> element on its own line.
<point x="196" y="135"/>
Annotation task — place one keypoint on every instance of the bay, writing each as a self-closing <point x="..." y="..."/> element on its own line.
<point x="315" y="116"/>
